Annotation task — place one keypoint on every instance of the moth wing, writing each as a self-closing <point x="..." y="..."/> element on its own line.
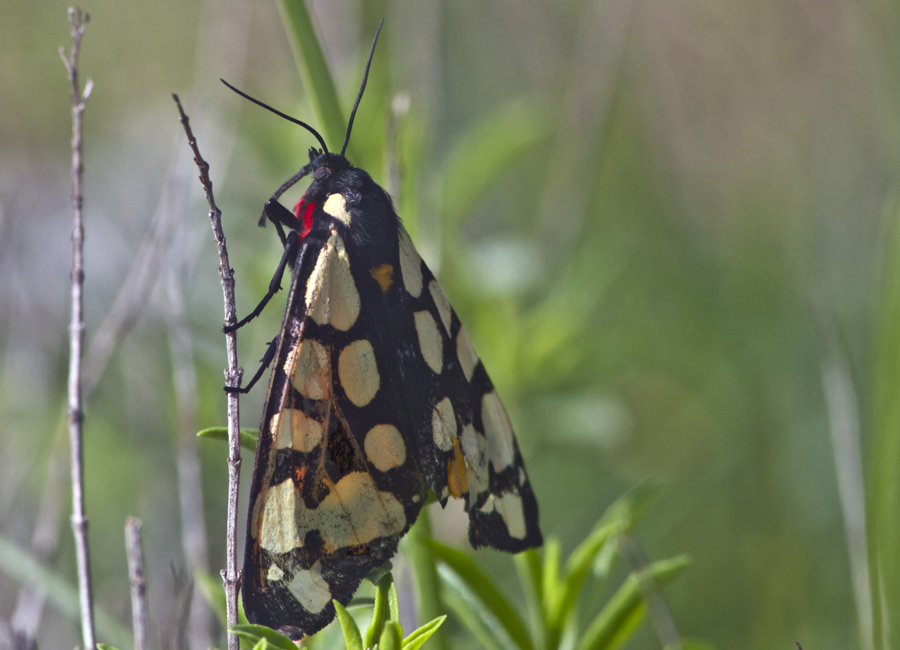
<point x="334" y="486"/>
<point x="468" y="449"/>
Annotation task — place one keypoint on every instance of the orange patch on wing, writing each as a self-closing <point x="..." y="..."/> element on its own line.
<point x="384" y="276"/>
<point x="457" y="480"/>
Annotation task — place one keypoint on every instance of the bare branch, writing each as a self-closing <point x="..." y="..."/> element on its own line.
<point x="78" y="22"/>
<point x="136" y="581"/>
<point x="230" y="575"/>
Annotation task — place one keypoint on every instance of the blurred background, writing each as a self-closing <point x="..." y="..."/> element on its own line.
<point x="660" y="222"/>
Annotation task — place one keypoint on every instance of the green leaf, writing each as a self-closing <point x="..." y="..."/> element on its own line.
<point x="314" y="73"/>
<point x="615" y="622"/>
<point x="469" y="610"/>
<point x="577" y="568"/>
<point x="21" y="566"/>
<point x="429" y="595"/>
<point x="528" y="566"/>
<point x="416" y="638"/>
<point x="382" y="609"/>
<point x="630" y="508"/>
<point x="495" y="143"/>
<point x="884" y="482"/>
<point x="391" y="636"/>
<point x="551" y="584"/>
<point x="482" y="586"/>
<point x="257" y="634"/>
<point x="249" y="437"/>
<point x="106" y="646"/>
<point x="352" y="636"/>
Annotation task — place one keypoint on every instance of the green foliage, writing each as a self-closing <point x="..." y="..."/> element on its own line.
<point x="249" y="437"/>
<point x="384" y="631"/>
<point x="554" y="589"/>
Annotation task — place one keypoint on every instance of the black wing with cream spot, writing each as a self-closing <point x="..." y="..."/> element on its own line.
<point x="335" y="486"/>
<point x="469" y="449"/>
<point x="376" y="396"/>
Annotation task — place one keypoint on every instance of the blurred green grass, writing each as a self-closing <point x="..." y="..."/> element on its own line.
<point x="668" y="188"/>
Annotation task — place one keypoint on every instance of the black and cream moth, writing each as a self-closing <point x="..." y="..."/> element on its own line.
<point x="376" y="396"/>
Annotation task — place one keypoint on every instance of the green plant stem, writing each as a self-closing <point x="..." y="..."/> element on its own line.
<point x="428" y="586"/>
<point x="314" y="73"/>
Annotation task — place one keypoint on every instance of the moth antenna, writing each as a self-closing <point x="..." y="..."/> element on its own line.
<point x="288" y="117"/>
<point x="361" y="88"/>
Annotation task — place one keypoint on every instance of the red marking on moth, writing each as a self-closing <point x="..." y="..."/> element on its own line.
<point x="303" y="211"/>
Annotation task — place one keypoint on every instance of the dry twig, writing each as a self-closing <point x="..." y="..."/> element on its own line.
<point x="78" y="22"/>
<point x="136" y="581"/>
<point x="231" y="576"/>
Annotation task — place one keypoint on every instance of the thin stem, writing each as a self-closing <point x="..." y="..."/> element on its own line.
<point x="78" y="22"/>
<point x="230" y="575"/>
<point x="428" y="584"/>
<point x="136" y="581"/>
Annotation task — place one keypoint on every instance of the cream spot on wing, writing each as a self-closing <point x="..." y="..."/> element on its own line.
<point x="509" y="506"/>
<point x="310" y="589"/>
<point x="410" y="266"/>
<point x="312" y="371"/>
<point x="385" y="448"/>
<point x="331" y="294"/>
<point x="299" y="431"/>
<point x="278" y="524"/>
<point x="465" y="352"/>
<point x="354" y="512"/>
<point x="498" y="431"/>
<point x="358" y="372"/>
<point x="443" y="424"/>
<point x="430" y="341"/>
<point x="442" y="304"/>
<point x="275" y="574"/>
<point x="336" y="206"/>
<point x="474" y="449"/>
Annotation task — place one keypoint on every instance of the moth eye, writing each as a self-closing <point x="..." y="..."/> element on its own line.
<point x="321" y="174"/>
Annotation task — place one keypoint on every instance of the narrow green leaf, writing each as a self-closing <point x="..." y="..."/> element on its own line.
<point x="416" y="638"/>
<point x="630" y="508"/>
<point x="612" y="626"/>
<point x="258" y="633"/>
<point x="429" y="595"/>
<point x="249" y="437"/>
<point x="21" y="566"/>
<point x="314" y="74"/>
<point x="528" y="566"/>
<point x="352" y="635"/>
<point x="473" y="615"/>
<point x="391" y="636"/>
<point x="884" y="480"/>
<point x="106" y="646"/>
<point x="484" y="589"/>
<point x="551" y="584"/>
<point x="496" y="142"/>
<point x="393" y="602"/>
<point x="382" y="609"/>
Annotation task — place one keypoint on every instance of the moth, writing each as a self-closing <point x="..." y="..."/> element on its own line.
<point x="376" y="397"/>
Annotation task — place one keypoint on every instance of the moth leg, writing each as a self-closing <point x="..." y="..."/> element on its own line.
<point x="280" y="216"/>
<point x="264" y="363"/>
<point x="304" y="171"/>
<point x="291" y="246"/>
